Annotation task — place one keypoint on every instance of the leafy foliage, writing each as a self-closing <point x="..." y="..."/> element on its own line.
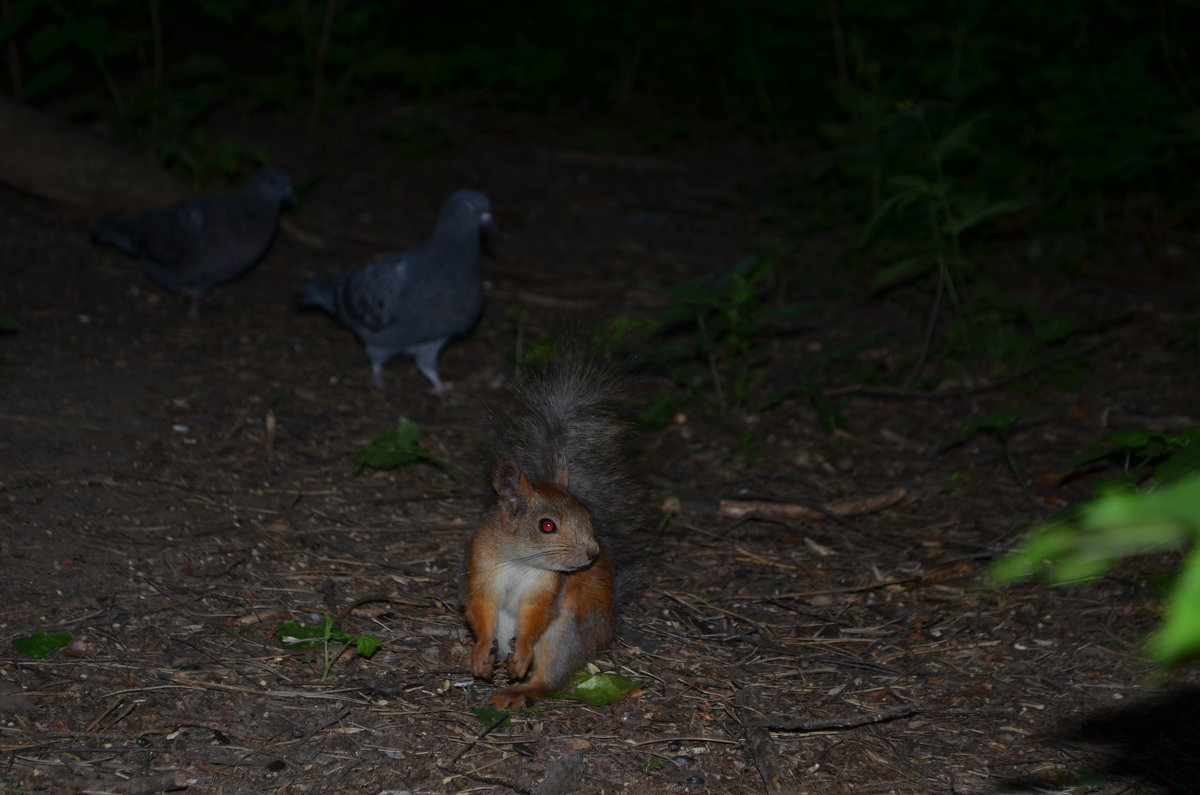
<point x="498" y="718"/>
<point x="721" y="322"/>
<point x="1138" y="450"/>
<point x="1123" y="522"/>
<point x="597" y="689"/>
<point x="325" y="634"/>
<point x="41" y="644"/>
<point x="1090" y="541"/>
<point x="397" y="448"/>
<point x="604" y="688"/>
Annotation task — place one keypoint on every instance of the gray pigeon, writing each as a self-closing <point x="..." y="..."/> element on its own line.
<point x="192" y="246"/>
<point x="413" y="302"/>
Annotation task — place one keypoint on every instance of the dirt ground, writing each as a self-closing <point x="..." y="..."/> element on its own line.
<point x="171" y="492"/>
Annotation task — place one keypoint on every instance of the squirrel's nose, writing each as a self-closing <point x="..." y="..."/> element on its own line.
<point x="593" y="549"/>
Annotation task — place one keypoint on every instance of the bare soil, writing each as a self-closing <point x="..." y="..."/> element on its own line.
<point x="171" y="492"/>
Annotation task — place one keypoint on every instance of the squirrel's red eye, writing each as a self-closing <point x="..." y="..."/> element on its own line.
<point x="547" y="525"/>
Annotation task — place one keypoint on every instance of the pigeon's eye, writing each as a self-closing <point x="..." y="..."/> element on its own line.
<point x="547" y="526"/>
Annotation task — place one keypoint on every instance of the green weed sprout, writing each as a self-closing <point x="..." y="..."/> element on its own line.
<point x="332" y="641"/>
<point x="723" y="317"/>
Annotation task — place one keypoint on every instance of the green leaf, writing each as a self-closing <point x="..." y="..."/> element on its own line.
<point x="830" y="417"/>
<point x="913" y="186"/>
<point x="1163" y="582"/>
<point x="788" y="311"/>
<point x="18" y="15"/>
<point x="1178" y="639"/>
<point x="47" y="42"/>
<point x="1079" y="568"/>
<point x="498" y="718"/>
<point x="46" y="80"/>
<point x="955" y="140"/>
<point x="903" y="270"/>
<point x="601" y="689"/>
<point x="1185" y="462"/>
<point x="1129" y="441"/>
<point x="890" y="205"/>
<point x="1041" y="550"/>
<point x="41" y="644"/>
<point x="1000" y="423"/>
<point x="293" y="633"/>
<point x="1004" y="207"/>
<point x="366" y="645"/>
<point x="89" y="34"/>
<point x="394" y="448"/>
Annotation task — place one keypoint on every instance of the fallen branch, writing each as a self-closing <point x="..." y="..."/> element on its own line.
<point x="704" y="505"/>
<point x="836" y="724"/>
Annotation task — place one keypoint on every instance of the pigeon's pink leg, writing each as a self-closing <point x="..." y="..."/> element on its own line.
<point x="377" y="378"/>
<point x="193" y="313"/>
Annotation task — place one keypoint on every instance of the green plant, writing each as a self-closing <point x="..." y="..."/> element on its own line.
<point x="1002" y="425"/>
<point x="598" y="689"/>
<point x="493" y="718"/>
<point x="1090" y="540"/>
<point x="924" y="195"/>
<point x="41" y="644"/>
<point x="326" y="635"/>
<point x="396" y="448"/>
<point x="1143" y="453"/>
<point x="418" y="135"/>
<point x="1012" y="333"/>
<point x="722" y="323"/>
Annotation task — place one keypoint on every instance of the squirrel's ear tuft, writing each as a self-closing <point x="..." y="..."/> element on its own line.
<point x="562" y="477"/>
<point x="511" y="484"/>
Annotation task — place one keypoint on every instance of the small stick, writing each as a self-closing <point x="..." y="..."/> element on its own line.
<point x="837" y="724"/>
<point x="737" y="509"/>
<point x="473" y="776"/>
<point x="758" y="739"/>
<point x="702" y="505"/>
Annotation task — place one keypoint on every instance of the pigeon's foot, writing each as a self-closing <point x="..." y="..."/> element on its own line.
<point x="193" y="313"/>
<point x="197" y="300"/>
<point x="378" y="384"/>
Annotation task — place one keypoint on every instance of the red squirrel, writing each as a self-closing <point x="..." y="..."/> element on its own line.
<point x="539" y="577"/>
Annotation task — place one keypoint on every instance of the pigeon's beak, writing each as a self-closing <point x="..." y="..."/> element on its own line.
<point x="488" y="222"/>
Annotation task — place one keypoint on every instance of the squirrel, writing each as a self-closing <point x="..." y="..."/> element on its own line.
<point x="540" y="573"/>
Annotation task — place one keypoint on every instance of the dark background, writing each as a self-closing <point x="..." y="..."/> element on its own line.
<point x="1070" y="102"/>
<point x="922" y="249"/>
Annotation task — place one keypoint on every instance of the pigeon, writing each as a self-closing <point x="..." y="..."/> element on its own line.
<point x="190" y="247"/>
<point x="414" y="301"/>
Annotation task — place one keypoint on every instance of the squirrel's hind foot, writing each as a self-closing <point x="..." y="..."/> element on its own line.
<point x="517" y="696"/>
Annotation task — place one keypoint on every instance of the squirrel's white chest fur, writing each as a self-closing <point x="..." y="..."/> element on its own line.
<point x="512" y="584"/>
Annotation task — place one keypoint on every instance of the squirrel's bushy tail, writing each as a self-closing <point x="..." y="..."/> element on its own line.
<point x="569" y="415"/>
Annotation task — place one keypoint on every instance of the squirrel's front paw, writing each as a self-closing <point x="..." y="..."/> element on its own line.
<point x="519" y="663"/>
<point x="483" y="660"/>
